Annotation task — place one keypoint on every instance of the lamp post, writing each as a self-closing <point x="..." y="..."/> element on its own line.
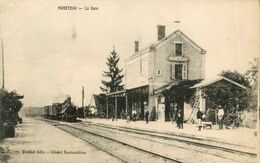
<point x="83" y="107"/>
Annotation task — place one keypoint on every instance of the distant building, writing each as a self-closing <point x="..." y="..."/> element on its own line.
<point x="97" y="105"/>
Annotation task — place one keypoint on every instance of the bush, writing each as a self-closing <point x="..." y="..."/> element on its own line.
<point x="10" y="106"/>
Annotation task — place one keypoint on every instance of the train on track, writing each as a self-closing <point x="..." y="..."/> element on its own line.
<point x="65" y="111"/>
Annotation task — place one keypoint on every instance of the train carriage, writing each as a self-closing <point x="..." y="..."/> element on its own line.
<point x="46" y="111"/>
<point x="53" y="111"/>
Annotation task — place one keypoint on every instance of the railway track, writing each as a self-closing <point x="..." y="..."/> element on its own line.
<point x="212" y="144"/>
<point x="201" y="148"/>
<point x="122" y="151"/>
<point x="151" y="147"/>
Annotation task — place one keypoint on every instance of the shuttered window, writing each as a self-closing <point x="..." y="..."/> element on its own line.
<point x="178" y="71"/>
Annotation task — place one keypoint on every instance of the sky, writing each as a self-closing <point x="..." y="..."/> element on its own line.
<point x="51" y="53"/>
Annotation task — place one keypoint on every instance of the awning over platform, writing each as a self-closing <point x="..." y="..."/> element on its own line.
<point x="165" y="87"/>
<point x="117" y="94"/>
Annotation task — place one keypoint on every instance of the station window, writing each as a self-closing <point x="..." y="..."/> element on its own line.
<point x="178" y="71"/>
<point x="158" y="72"/>
<point x="178" y="49"/>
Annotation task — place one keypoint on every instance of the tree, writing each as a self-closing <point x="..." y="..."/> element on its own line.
<point x="252" y="73"/>
<point x="252" y="77"/>
<point x="10" y="105"/>
<point x="232" y="98"/>
<point x="114" y="82"/>
<point x="229" y="95"/>
<point x="236" y="77"/>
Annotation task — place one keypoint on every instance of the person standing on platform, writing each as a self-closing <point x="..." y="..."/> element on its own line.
<point x="180" y="119"/>
<point x="220" y="116"/>
<point x="113" y="115"/>
<point x="123" y="115"/>
<point x="147" y="116"/>
<point x="175" y="114"/>
<point x="134" y="115"/>
<point x="128" y="117"/>
<point x="199" y="119"/>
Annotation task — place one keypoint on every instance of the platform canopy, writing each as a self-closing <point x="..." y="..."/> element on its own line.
<point x="165" y="87"/>
<point x="117" y="94"/>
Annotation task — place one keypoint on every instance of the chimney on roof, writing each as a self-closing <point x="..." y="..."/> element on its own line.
<point x="161" y="32"/>
<point x="136" y="46"/>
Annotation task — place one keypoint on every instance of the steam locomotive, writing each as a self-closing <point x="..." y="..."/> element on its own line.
<point x="65" y="111"/>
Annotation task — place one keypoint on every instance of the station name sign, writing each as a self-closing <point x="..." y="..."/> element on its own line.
<point x="178" y="58"/>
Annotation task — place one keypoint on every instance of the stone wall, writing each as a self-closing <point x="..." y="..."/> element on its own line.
<point x="195" y="63"/>
<point x="137" y="71"/>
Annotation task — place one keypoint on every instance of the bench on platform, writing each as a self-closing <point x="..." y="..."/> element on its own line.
<point x="205" y="124"/>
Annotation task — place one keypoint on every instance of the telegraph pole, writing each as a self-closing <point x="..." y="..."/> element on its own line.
<point x="82" y="97"/>
<point x="3" y="71"/>
<point x="83" y="94"/>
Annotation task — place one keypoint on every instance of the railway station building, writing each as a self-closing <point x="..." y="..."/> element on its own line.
<point x="148" y="72"/>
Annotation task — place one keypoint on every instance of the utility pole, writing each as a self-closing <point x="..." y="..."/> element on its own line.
<point x="84" y="113"/>
<point x="3" y="71"/>
<point x="82" y="97"/>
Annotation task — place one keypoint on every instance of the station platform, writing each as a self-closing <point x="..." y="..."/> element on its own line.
<point x="239" y="136"/>
<point x="38" y="141"/>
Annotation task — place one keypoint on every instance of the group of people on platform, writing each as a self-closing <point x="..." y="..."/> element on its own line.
<point x="178" y="117"/>
<point x="134" y="116"/>
<point x="131" y="116"/>
<point x="201" y="116"/>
